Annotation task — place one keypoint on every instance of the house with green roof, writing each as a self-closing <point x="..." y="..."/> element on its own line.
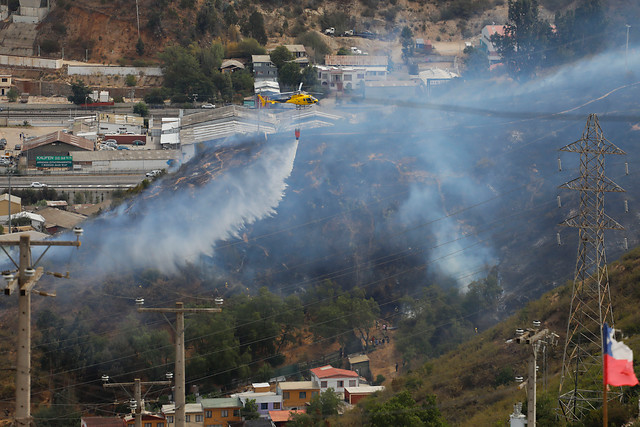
<point x="220" y="412"/>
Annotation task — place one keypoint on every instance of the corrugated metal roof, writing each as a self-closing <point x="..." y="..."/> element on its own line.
<point x="59" y="136"/>
<point x="298" y="385"/>
<point x="359" y="358"/>
<point x="364" y="389"/>
<point x="231" y="63"/>
<point x="84" y="156"/>
<point x="357" y="60"/>
<point x="189" y="408"/>
<point x="14" y="199"/>
<point x="58" y="217"/>
<point x="222" y="402"/>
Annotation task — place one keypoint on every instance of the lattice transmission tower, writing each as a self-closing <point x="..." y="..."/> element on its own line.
<point x="581" y="381"/>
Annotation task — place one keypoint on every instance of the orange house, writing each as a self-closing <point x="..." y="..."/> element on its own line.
<point x="221" y="411"/>
<point x="296" y="394"/>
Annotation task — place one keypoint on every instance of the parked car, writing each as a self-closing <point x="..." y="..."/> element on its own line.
<point x="3" y="143"/>
<point x="110" y="142"/>
<point x="122" y="147"/>
<point x="138" y="142"/>
<point x="17" y="147"/>
<point x="347" y="33"/>
<point x="208" y="106"/>
<point x="153" y="173"/>
<point x="38" y="184"/>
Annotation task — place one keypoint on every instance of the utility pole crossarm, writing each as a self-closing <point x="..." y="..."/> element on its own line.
<point x="180" y="310"/>
<point x="43" y="243"/>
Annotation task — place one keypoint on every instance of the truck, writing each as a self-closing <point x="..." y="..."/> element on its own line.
<point x="330" y="31"/>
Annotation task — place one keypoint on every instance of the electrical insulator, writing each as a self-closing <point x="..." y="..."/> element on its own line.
<point x="626" y="168"/>
<point x="558" y="238"/>
<point x="626" y="206"/>
<point x="559" y="202"/>
<point x="626" y="244"/>
<point x="559" y="164"/>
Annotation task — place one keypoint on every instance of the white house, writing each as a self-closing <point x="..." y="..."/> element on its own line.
<point x="337" y="379"/>
<point x="266" y="401"/>
<point x="193" y="413"/>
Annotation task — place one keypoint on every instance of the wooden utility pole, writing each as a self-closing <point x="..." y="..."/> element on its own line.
<point x="179" y="374"/>
<point x="25" y="279"/>
<point x="137" y="394"/>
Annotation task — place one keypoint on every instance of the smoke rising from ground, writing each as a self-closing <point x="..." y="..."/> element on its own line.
<point x="393" y="195"/>
<point x="174" y="224"/>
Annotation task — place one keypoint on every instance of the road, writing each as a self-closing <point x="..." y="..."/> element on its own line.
<point x="74" y="182"/>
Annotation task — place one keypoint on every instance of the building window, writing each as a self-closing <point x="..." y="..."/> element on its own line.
<point x="285" y="395"/>
<point x="147" y="424"/>
<point x="207" y="414"/>
<point x="347" y="77"/>
<point x="224" y="413"/>
<point x="340" y="383"/>
<point x="352" y="383"/>
<point x="160" y="425"/>
<point x="187" y="418"/>
<point x="276" y="405"/>
<point x="264" y="406"/>
<point x="170" y="419"/>
<point x="323" y="384"/>
<point x="360" y="76"/>
<point x="314" y="394"/>
<point x="4" y="80"/>
<point x="236" y="412"/>
<point x="302" y="395"/>
<point x="199" y="418"/>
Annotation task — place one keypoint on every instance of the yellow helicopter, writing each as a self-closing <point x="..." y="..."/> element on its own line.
<point x="299" y="98"/>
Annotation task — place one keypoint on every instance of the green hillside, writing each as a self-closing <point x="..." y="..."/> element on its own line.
<point x="474" y="384"/>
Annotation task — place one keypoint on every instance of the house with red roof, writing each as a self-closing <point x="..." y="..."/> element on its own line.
<point x="487" y="46"/>
<point x="280" y="418"/>
<point x="337" y="379"/>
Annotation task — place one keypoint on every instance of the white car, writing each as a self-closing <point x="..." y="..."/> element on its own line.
<point x="208" y="106"/>
<point x="38" y="185"/>
<point x="153" y="173"/>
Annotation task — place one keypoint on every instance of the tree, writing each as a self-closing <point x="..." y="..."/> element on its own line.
<point x="80" y="93"/>
<point x="289" y="75"/>
<point x="577" y="31"/>
<point x="12" y="95"/>
<point x="406" y="39"/>
<point x="140" y="47"/>
<point x="324" y="405"/>
<point x="206" y="19"/>
<point x="476" y="62"/>
<point x="141" y="109"/>
<point x="525" y="39"/>
<point x="130" y="80"/>
<point x="315" y="45"/>
<point x="280" y="56"/>
<point x="250" y="410"/>
<point x="156" y="96"/>
<point x="402" y="410"/>
<point x="254" y="27"/>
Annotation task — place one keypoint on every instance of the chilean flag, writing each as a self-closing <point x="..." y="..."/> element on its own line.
<point x="618" y="361"/>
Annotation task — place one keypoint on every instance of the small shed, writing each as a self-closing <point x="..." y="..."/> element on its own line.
<point x="360" y="364"/>
<point x="16" y="204"/>
<point x="231" y="65"/>
<point x="354" y="395"/>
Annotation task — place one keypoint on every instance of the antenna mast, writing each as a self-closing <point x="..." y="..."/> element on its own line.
<point x="581" y="381"/>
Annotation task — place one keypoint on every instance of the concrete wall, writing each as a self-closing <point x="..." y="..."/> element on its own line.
<point x="88" y="70"/>
<point x="32" y="62"/>
<point x="125" y="165"/>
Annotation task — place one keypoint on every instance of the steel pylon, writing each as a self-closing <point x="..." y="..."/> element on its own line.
<point x="581" y="381"/>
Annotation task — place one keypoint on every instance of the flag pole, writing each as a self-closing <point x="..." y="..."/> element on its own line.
<point x="604" y="380"/>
